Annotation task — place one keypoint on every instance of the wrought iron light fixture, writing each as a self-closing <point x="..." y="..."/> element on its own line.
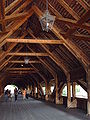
<point x="47" y="20"/>
<point x="26" y="59"/>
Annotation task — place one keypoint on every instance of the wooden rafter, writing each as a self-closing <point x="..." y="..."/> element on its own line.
<point x="17" y="24"/>
<point x="83" y="4"/>
<point x="47" y="66"/>
<point x="4" y="54"/>
<point x="3" y="14"/>
<point x="2" y="65"/>
<point x="20" y="72"/>
<point x="40" y="41"/>
<point x="15" y="3"/>
<point x="27" y="69"/>
<point x="69" y="9"/>
<point x="19" y="61"/>
<point x="82" y="20"/>
<point x="12" y="5"/>
<point x="4" y="32"/>
<point x="73" y="23"/>
<point x="76" y="36"/>
<point x="50" y="70"/>
<point x="81" y="37"/>
<point x="68" y="21"/>
<point x="59" y="62"/>
<point x="2" y="5"/>
<point x="68" y="44"/>
<point x="14" y="17"/>
<point x="28" y="54"/>
<point x="82" y="57"/>
<point x="39" y="73"/>
<point x="10" y="8"/>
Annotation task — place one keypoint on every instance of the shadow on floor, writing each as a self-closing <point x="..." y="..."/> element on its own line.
<point x="78" y="113"/>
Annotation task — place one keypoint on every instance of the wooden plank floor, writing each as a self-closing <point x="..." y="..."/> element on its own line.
<point x="36" y="110"/>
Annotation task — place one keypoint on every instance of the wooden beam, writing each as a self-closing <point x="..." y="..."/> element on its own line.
<point x="47" y="66"/>
<point x="76" y="36"/>
<point x="14" y="17"/>
<point x="4" y="32"/>
<point x="3" y="14"/>
<point x="83" y="4"/>
<point x="12" y="5"/>
<point x="69" y="9"/>
<point x="4" y="54"/>
<point x="82" y="20"/>
<point x="2" y="2"/>
<point x="81" y="37"/>
<point x="20" y="72"/>
<point x="21" y="8"/>
<point x="2" y="65"/>
<point x="26" y="69"/>
<point x="15" y="4"/>
<point x="28" y="54"/>
<point x="40" y="41"/>
<point x="59" y="61"/>
<point x="73" y="23"/>
<point x="30" y="62"/>
<point x="37" y="70"/>
<point x="67" y="20"/>
<point x="17" y="24"/>
<point x="68" y="43"/>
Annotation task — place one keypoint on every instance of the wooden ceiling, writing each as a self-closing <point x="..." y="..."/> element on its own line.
<point x="63" y="50"/>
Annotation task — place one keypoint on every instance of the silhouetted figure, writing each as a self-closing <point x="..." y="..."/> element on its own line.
<point x="24" y="94"/>
<point x="6" y="95"/>
<point x="15" y="93"/>
<point x="27" y="93"/>
<point x="9" y="95"/>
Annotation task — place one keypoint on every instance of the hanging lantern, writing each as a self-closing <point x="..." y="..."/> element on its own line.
<point x="26" y="60"/>
<point x="47" y="20"/>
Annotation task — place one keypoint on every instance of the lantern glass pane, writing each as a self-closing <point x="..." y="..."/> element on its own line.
<point x="47" y="21"/>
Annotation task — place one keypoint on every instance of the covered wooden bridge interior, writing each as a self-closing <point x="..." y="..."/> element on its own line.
<point x="59" y="57"/>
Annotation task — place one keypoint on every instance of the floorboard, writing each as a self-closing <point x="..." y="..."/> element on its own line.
<point x="32" y="109"/>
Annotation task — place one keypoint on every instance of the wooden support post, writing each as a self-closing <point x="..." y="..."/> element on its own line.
<point x="1" y="89"/>
<point x="88" y="89"/>
<point x="38" y="91"/>
<point x="57" y="96"/>
<point x="74" y="102"/>
<point x="46" y="91"/>
<point x="32" y="90"/>
<point x="73" y="90"/>
<point x="68" y="91"/>
<point x="61" y="98"/>
<point x="3" y="14"/>
<point x="35" y="90"/>
<point x="29" y="88"/>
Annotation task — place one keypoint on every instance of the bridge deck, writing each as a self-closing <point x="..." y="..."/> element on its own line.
<point x="37" y="110"/>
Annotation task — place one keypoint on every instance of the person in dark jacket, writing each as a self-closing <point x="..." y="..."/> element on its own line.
<point x="15" y="93"/>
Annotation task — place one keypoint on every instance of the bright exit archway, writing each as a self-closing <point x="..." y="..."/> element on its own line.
<point x="10" y="88"/>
